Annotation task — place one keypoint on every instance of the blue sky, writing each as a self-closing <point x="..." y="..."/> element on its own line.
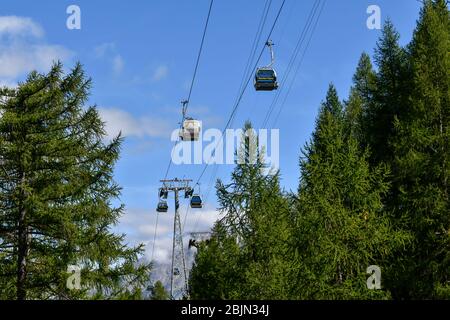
<point x="141" y="55"/>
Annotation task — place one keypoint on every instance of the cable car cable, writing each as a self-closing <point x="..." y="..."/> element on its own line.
<point x="189" y="97"/>
<point x="193" y="80"/>
<point x="154" y="236"/>
<point x="298" y="66"/>
<point x="200" y="51"/>
<point x="256" y="40"/>
<point x="294" y="56"/>
<point x="247" y="70"/>
<point x="248" y="80"/>
<point x="293" y="59"/>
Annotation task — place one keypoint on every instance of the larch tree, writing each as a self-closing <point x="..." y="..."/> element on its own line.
<point x="57" y="194"/>
<point x="158" y="292"/>
<point x="389" y="97"/>
<point x="422" y="153"/>
<point x="341" y="228"/>
<point x="252" y="241"/>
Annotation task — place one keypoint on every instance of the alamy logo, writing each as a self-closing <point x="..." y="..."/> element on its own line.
<point x="374" y="20"/>
<point x="374" y="281"/>
<point x="74" y="20"/>
<point x="214" y="148"/>
<point x="74" y="280"/>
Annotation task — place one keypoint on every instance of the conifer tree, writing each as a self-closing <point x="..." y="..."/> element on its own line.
<point x="158" y="292"/>
<point x="218" y="272"/>
<point x="422" y="152"/>
<point x="361" y="101"/>
<point x="57" y="194"/>
<point x="389" y="98"/>
<point x="251" y="243"/>
<point x="341" y="229"/>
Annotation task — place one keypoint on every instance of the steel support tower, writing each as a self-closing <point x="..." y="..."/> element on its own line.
<point x="178" y="276"/>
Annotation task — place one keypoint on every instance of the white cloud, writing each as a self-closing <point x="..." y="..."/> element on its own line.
<point x="19" y="59"/>
<point x="160" y="73"/>
<point x="117" y="64"/>
<point x="139" y="226"/>
<point x="102" y="49"/>
<point x="19" y="26"/>
<point x="118" y="120"/>
<point x="108" y="52"/>
<point x="23" y="50"/>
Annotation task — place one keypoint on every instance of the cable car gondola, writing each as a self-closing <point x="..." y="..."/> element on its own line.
<point x="266" y="77"/>
<point x="162" y="207"/>
<point x="190" y="128"/>
<point x="196" y="202"/>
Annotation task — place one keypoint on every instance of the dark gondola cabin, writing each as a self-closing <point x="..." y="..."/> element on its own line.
<point x="162" y="206"/>
<point x="196" y="201"/>
<point x="265" y="79"/>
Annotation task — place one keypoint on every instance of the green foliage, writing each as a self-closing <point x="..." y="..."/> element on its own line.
<point x="57" y="192"/>
<point x="158" y="292"/>
<point x="421" y="203"/>
<point x="249" y="254"/>
<point x="361" y="101"/>
<point x="217" y="272"/>
<point x="341" y="229"/>
<point x="388" y="94"/>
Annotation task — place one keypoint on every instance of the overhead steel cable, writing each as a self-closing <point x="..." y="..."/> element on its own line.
<point x="154" y="236"/>
<point x="298" y="66"/>
<point x="193" y="80"/>
<point x="293" y="58"/>
<point x="236" y="106"/>
<point x="247" y="70"/>
<point x="200" y="51"/>
<point x="256" y="40"/>
<point x="197" y="63"/>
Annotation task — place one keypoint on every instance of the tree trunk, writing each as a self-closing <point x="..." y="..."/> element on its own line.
<point x="22" y="248"/>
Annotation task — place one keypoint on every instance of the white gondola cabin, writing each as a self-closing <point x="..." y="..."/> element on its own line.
<point x="190" y="130"/>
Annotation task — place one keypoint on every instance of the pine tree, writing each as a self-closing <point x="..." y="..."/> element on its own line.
<point x="341" y="229"/>
<point x="422" y="158"/>
<point x="57" y="194"/>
